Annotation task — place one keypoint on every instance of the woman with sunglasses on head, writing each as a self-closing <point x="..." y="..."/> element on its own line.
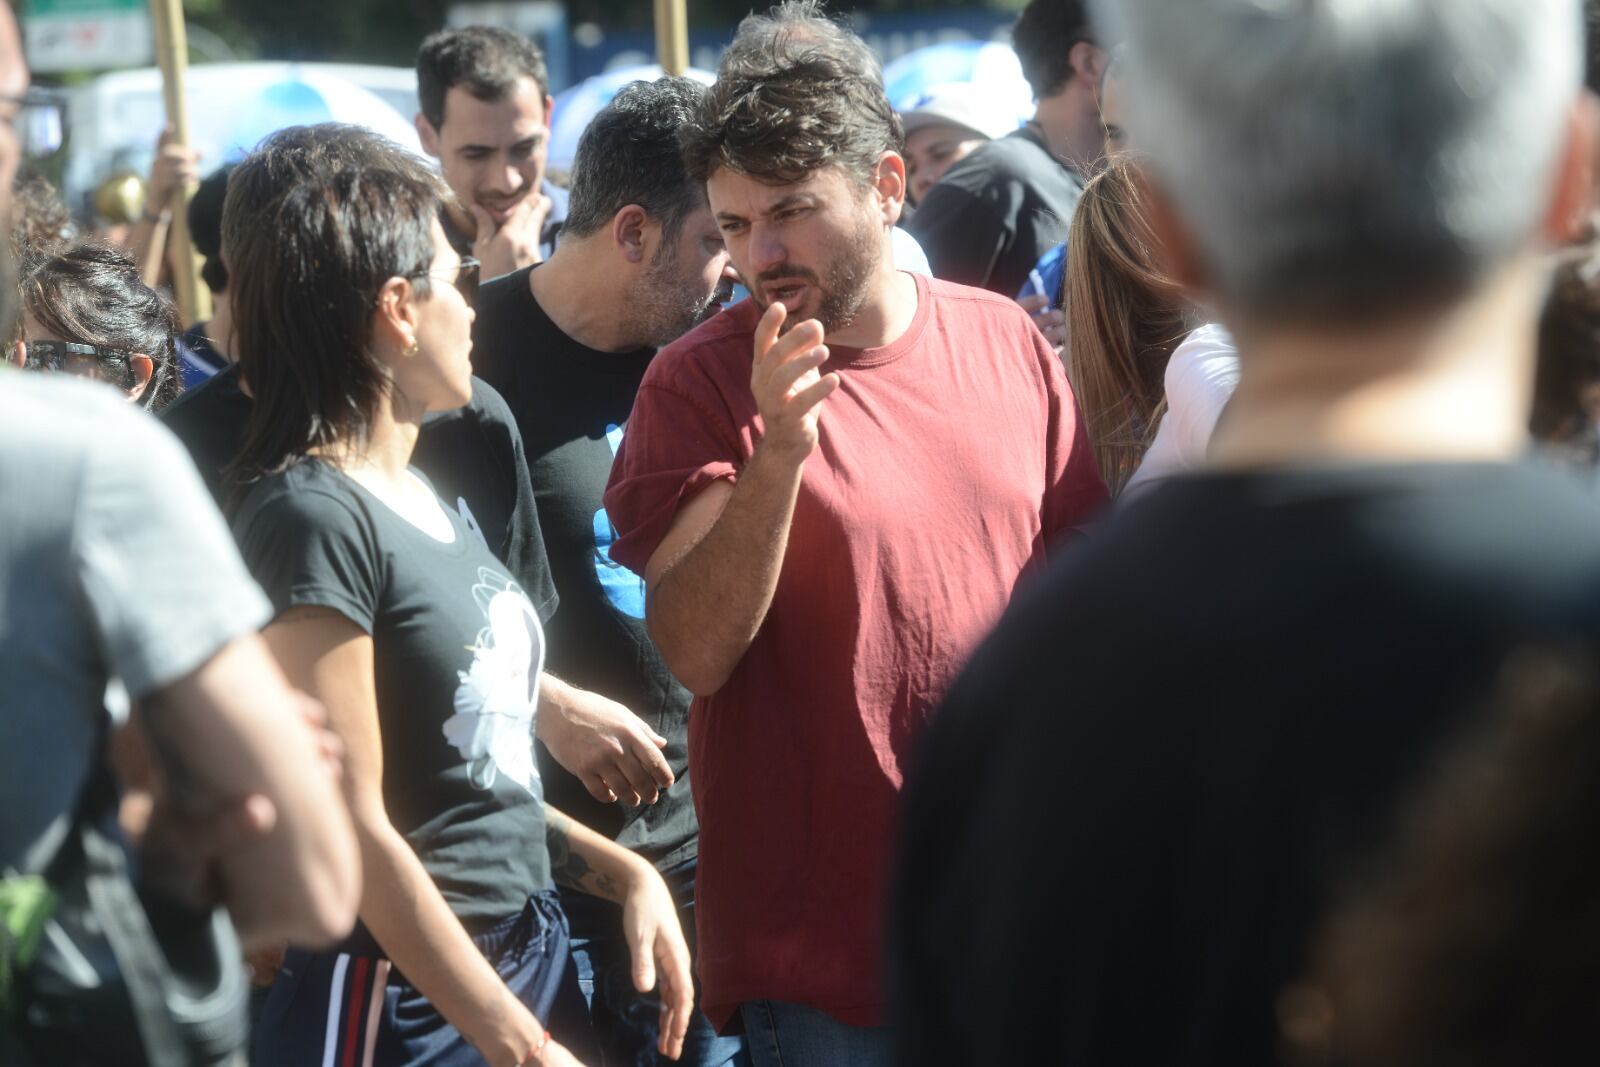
<point x="425" y="651"/>
<point x="85" y="311"/>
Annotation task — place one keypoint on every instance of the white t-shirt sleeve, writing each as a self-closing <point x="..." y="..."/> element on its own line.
<point x="156" y="564"/>
<point x="1200" y="379"/>
<point x="908" y="254"/>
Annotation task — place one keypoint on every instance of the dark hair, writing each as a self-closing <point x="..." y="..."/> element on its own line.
<point x="40" y="222"/>
<point x="300" y="154"/>
<point x="1477" y="942"/>
<point x="629" y="154"/>
<point x="1043" y="38"/>
<point x="1566" y="384"/>
<point x="795" y="93"/>
<point x="305" y="283"/>
<point x="486" y="61"/>
<point x="205" y="226"/>
<point x="91" y="294"/>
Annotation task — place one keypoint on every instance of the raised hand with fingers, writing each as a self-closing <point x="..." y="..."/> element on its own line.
<point x="502" y="247"/>
<point x="788" y="384"/>
<point x="175" y="166"/>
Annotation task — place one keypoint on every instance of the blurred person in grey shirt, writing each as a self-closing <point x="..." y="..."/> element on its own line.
<point x="116" y="572"/>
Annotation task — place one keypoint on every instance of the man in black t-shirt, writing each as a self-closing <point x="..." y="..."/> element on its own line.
<point x="991" y="217"/>
<point x="1183" y="742"/>
<point x="568" y="352"/>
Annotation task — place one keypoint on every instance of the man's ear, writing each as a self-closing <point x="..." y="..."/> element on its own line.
<point x="1572" y="199"/>
<point x="890" y="186"/>
<point x="427" y="134"/>
<point x="1175" y="245"/>
<point x="143" y="366"/>
<point x="631" y="233"/>
<point x="1089" y="63"/>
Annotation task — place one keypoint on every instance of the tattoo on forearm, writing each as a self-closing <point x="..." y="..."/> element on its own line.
<point x="571" y="868"/>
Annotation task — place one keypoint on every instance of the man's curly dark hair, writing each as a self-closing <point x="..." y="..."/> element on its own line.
<point x="795" y="92"/>
<point x="1043" y="38"/>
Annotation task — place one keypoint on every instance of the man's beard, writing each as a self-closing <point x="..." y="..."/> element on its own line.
<point x="850" y="262"/>
<point x="670" y="304"/>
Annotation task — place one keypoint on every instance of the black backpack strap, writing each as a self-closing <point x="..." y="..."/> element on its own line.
<point x="186" y="985"/>
<point x="133" y="942"/>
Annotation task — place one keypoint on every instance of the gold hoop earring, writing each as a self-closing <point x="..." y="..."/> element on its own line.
<point x="411" y="348"/>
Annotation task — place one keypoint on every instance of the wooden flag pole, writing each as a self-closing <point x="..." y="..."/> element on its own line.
<point x="672" y="35"/>
<point x="172" y="54"/>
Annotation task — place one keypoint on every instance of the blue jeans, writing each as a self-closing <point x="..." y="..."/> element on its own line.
<point x="781" y="1034"/>
<point x="626" y="1022"/>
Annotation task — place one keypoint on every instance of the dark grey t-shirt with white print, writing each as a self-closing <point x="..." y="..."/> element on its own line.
<point x="457" y="650"/>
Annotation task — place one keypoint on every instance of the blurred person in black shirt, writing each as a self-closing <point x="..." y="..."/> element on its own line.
<point x="1218" y="699"/>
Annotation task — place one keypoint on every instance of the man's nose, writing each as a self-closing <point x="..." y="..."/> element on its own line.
<point x="505" y="179"/>
<point x="766" y="249"/>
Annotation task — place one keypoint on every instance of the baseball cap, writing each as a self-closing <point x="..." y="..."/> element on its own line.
<point x="958" y="104"/>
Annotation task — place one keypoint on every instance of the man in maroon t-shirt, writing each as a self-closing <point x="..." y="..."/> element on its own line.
<point x="832" y="490"/>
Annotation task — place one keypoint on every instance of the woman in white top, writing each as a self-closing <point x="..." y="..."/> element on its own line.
<point x="1200" y="379"/>
<point x="1125" y="315"/>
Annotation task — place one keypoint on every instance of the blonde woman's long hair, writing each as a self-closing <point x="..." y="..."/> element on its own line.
<point x="1125" y="315"/>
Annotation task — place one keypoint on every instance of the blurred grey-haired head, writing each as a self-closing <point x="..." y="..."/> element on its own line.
<point x="1333" y="158"/>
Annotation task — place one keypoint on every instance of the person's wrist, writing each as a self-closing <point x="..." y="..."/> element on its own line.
<point x="157" y="217"/>
<point x="783" y="452"/>
<point x="536" y="1056"/>
<point x="638" y="873"/>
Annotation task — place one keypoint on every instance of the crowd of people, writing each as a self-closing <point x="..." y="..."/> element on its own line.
<point x="818" y="585"/>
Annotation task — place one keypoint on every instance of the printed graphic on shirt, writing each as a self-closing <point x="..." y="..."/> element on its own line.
<point x="495" y="702"/>
<point x="624" y="589"/>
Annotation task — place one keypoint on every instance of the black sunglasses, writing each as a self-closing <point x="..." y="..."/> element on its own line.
<point x="465" y="278"/>
<point x="80" y="360"/>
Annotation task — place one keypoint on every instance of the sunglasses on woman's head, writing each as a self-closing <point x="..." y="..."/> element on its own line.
<point x="80" y="360"/>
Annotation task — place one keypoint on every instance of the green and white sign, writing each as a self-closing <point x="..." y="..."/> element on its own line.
<point x="66" y="35"/>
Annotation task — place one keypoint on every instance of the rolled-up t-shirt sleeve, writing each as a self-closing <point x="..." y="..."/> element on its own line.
<point x="310" y="549"/>
<point x="672" y="448"/>
<point x="157" y="569"/>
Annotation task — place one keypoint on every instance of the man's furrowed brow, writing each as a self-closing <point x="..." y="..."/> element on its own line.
<point x="792" y="200"/>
